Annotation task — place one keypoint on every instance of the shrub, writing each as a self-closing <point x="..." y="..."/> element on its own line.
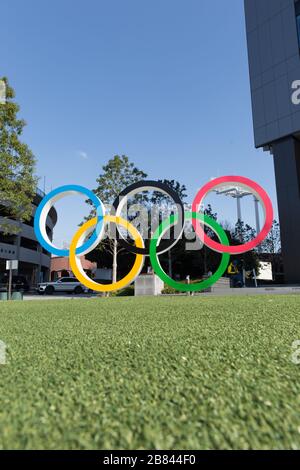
<point x="126" y="292"/>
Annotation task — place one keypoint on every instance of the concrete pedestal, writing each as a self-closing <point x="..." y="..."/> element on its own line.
<point x="148" y="284"/>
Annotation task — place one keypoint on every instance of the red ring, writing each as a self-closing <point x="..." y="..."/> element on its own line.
<point x="257" y="190"/>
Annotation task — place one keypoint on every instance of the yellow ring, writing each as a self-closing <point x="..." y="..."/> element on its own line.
<point x="76" y="263"/>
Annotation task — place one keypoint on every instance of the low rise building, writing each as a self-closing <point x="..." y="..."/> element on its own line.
<point x="34" y="261"/>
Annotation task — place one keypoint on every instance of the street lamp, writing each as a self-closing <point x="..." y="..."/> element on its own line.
<point x="236" y="192"/>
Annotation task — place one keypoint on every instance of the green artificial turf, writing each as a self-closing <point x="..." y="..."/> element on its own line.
<point x="129" y="373"/>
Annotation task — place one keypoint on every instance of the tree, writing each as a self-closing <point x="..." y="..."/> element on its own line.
<point x="17" y="165"/>
<point x="244" y="233"/>
<point x="179" y="188"/>
<point x="167" y="207"/>
<point x="190" y="256"/>
<point x="209" y="255"/>
<point x="272" y="244"/>
<point x="118" y="173"/>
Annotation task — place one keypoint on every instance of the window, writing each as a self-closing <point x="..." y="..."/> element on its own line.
<point x="30" y="222"/>
<point x="68" y="279"/>
<point x="29" y="244"/>
<point x="8" y="239"/>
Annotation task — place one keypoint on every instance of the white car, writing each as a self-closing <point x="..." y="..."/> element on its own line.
<point x="63" y="284"/>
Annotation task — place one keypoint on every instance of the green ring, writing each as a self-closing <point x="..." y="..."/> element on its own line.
<point x="163" y="227"/>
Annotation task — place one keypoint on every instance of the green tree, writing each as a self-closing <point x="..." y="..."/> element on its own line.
<point x="209" y="256"/>
<point x="272" y="244"/>
<point x="190" y="256"/>
<point x="17" y="164"/>
<point x="164" y="200"/>
<point x="179" y="188"/>
<point x="118" y="173"/>
<point x="244" y="233"/>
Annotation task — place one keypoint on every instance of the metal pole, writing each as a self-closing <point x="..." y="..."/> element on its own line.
<point x="256" y="201"/>
<point x="239" y="215"/>
<point x="188" y="279"/>
<point x="255" y="278"/>
<point x="10" y="280"/>
<point x="239" y="210"/>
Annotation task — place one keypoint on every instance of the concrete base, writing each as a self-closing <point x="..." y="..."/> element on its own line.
<point x="148" y="284"/>
<point x="223" y="284"/>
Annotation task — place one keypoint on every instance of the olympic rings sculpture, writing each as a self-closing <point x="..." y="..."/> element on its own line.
<point x="90" y="234"/>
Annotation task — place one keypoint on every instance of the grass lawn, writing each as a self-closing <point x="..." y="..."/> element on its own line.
<point x="188" y="372"/>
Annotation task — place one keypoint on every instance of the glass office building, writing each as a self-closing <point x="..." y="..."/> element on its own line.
<point x="273" y="36"/>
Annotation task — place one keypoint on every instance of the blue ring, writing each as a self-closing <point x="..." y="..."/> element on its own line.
<point x="71" y="187"/>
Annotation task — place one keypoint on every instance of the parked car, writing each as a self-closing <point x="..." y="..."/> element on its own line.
<point x="19" y="283"/>
<point x="63" y="284"/>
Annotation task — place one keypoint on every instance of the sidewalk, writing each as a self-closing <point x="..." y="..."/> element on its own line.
<point x="272" y="290"/>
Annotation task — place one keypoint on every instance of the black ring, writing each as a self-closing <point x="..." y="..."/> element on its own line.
<point x="156" y="185"/>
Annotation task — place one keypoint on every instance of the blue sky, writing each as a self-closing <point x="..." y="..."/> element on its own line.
<point x="162" y="81"/>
